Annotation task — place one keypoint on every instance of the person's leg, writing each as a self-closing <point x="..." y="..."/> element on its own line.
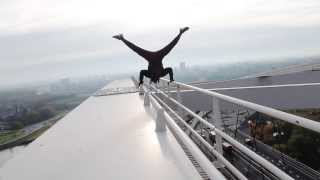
<point x="145" y="73"/>
<point x="168" y="71"/>
<point x="142" y="52"/>
<point x="164" y="51"/>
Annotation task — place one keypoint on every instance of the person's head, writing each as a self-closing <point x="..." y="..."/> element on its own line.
<point x="155" y="79"/>
<point x="155" y="75"/>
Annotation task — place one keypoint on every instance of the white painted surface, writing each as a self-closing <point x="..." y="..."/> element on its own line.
<point x="107" y="137"/>
<point x="7" y="154"/>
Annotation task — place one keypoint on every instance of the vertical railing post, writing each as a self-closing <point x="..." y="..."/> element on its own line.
<point x="160" y="121"/>
<point x="217" y="123"/>
<point x="141" y="91"/>
<point x="163" y="85"/>
<point x="147" y="98"/>
<point x="160" y="117"/>
<point x="168" y="93"/>
<point x="179" y="98"/>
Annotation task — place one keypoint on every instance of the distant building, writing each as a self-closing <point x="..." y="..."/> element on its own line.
<point x="182" y="66"/>
<point x="5" y="114"/>
<point x="13" y="112"/>
<point x="4" y="126"/>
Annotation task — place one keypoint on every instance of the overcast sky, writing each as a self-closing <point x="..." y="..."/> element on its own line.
<point x="51" y="39"/>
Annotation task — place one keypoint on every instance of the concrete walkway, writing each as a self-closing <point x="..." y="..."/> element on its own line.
<point x="106" y="137"/>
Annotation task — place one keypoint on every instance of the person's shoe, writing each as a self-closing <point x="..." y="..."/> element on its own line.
<point x="182" y="30"/>
<point x="119" y="36"/>
<point x="140" y="83"/>
<point x="171" y="80"/>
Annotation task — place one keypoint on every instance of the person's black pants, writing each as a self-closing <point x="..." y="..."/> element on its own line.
<point x="151" y="56"/>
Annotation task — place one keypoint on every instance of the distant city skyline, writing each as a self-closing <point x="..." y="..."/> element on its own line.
<point x="43" y="40"/>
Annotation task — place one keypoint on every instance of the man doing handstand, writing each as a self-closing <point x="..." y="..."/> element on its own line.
<point x="155" y="68"/>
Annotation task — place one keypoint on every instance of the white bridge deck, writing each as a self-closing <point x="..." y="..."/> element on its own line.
<point x="106" y="137"/>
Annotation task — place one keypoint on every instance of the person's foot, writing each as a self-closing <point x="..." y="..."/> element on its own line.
<point x="119" y="36"/>
<point x="182" y="30"/>
<point x="171" y="80"/>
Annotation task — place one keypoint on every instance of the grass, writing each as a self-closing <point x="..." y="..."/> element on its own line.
<point x="9" y="136"/>
<point x="5" y="137"/>
<point x="37" y="133"/>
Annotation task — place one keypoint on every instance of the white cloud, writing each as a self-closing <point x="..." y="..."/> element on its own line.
<point x="29" y="15"/>
<point x="39" y="33"/>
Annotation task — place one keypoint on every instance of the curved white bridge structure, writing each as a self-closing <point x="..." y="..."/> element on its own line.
<point x="123" y="133"/>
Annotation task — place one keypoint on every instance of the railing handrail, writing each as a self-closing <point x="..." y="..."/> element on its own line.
<point x="293" y="119"/>
<point x="259" y="87"/>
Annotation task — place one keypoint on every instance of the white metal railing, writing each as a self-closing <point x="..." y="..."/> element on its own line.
<point x="300" y="121"/>
<point x="293" y="119"/>
<point x="258" y="87"/>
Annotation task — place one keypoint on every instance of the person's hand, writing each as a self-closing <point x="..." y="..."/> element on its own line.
<point x="119" y="36"/>
<point x="182" y="30"/>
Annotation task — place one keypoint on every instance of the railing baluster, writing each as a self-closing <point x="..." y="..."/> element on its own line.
<point x="160" y="124"/>
<point x="179" y="98"/>
<point x="147" y="98"/>
<point x="160" y="119"/>
<point x="217" y="123"/>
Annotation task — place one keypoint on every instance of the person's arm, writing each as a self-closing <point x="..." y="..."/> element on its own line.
<point x="142" y="52"/>
<point x="164" y="51"/>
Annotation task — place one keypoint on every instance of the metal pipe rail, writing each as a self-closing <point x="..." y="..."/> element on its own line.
<point x="272" y="168"/>
<point x="293" y="119"/>
<point x="220" y="157"/>
<point x="212" y="172"/>
<point x="256" y="87"/>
